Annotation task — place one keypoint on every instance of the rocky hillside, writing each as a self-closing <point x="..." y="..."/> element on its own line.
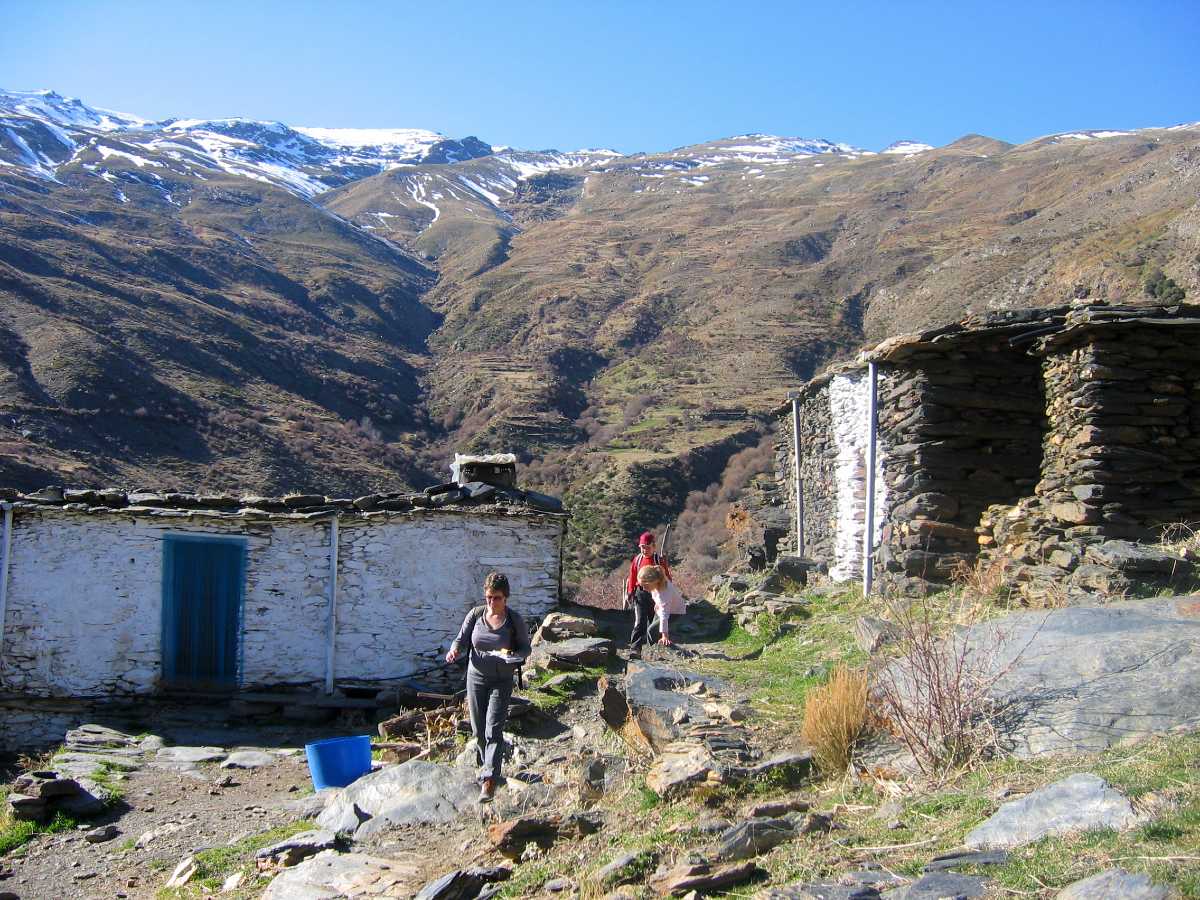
<point x="226" y="303"/>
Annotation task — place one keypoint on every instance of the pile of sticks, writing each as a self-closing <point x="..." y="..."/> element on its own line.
<point x="419" y="733"/>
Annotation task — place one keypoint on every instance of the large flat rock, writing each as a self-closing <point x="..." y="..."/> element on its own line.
<point x="1117" y="884"/>
<point x="1085" y="678"/>
<point x="412" y="793"/>
<point x="330" y="875"/>
<point x="659" y="699"/>
<point x="1078" y="803"/>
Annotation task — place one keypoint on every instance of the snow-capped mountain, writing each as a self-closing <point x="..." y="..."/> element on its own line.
<point x="906" y="148"/>
<point x="54" y="108"/>
<point x="48" y="135"/>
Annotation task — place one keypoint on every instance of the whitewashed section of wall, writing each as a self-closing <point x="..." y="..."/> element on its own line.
<point x="849" y="402"/>
<point x="404" y="588"/>
<point x="85" y="603"/>
<point x="284" y="612"/>
<point x="84" y="606"/>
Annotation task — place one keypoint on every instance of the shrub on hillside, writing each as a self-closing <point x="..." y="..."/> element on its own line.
<point x="834" y="716"/>
<point x="936" y="695"/>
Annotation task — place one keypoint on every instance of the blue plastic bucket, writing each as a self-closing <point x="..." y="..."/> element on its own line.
<point x="336" y="762"/>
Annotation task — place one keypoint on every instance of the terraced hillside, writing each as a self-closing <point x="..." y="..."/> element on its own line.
<point x="236" y="304"/>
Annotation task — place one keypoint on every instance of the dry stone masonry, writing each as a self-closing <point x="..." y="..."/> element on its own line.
<point x="1025" y="441"/>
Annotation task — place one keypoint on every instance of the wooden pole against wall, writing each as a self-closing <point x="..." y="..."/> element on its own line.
<point x="869" y="523"/>
<point x="331" y="625"/>
<point x="799" y="481"/>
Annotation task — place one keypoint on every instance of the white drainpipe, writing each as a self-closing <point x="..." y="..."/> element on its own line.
<point x="869" y="524"/>
<point x="799" y="481"/>
<point x="8" y="518"/>
<point x="331" y="626"/>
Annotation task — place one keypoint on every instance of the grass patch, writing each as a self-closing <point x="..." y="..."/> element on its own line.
<point x="216" y="864"/>
<point x="15" y="834"/>
<point x="550" y="698"/>
<point x="791" y="662"/>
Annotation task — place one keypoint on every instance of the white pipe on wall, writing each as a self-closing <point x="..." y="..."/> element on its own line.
<point x="798" y="479"/>
<point x="869" y="505"/>
<point x="331" y="626"/>
<point x="8" y="519"/>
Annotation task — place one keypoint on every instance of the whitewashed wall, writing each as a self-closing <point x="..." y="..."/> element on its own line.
<point x="85" y="595"/>
<point x="403" y="590"/>
<point x="849" y="401"/>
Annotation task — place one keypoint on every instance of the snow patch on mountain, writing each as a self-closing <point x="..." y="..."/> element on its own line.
<point x="906" y="148"/>
<point x="49" y="106"/>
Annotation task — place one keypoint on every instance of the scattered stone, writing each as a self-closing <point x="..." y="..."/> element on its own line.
<point x="681" y="767"/>
<point x="1117" y="884"/>
<point x="574" y="653"/>
<point x="154" y="834"/>
<point x="298" y="847"/>
<point x="333" y="874"/>
<point x="102" y="834"/>
<point x="248" y="759"/>
<point x="1077" y="803"/>
<point x="942" y="886"/>
<point x="793" y="767"/>
<point x="730" y="712"/>
<point x="412" y="793"/>
<point x="818" y="891"/>
<point x="753" y="837"/>
<point x="871" y="633"/>
<point x="966" y="858"/>
<point x="183" y="872"/>
<point x="873" y="876"/>
<point x="814" y="823"/>
<point x="463" y="884"/>
<point x="557" y="885"/>
<point x="232" y="883"/>
<point x="710" y="825"/>
<point x="773" y="809"/>
<point x="625" y="868"/>
<point x="512" y="837"/>
<point x="559" y="626"/>
<point x="703" y="878"/>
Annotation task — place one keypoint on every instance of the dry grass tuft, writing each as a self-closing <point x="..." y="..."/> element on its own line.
<point x="834" y="716"/>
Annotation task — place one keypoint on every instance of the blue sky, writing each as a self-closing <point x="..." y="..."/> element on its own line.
<point x="632" y="76"/>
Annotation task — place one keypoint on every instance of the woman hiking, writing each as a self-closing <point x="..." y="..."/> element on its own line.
<point x="637" y="596"/>
<point x="498" y="642"/>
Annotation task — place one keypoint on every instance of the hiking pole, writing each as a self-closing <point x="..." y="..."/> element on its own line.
<point x="663" y="546"/>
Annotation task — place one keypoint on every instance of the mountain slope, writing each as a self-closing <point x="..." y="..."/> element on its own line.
<point x="236" y="303"/>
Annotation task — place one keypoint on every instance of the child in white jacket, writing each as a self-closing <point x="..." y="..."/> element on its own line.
<point x="668" y="601"/>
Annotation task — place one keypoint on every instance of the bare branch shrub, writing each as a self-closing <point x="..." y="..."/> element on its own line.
<point x="936" y="696"/>
<point x="602" y="591"/>
<point x="834" y="716"/>
<point x="984" y="580"/>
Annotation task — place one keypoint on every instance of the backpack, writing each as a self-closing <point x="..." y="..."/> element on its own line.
<point x="472" y="619"/>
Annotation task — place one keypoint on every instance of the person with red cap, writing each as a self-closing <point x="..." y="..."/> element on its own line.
<point x="637" y="596"/>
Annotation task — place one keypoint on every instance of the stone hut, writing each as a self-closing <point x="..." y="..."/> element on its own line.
<point x="1034" y="443"/>
<point x="108" y="597"/>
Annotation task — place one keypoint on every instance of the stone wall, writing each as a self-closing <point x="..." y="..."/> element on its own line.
<point x="84" y="608"/>
<point x="965" y="430"/>
<point x="1121" y="458"/>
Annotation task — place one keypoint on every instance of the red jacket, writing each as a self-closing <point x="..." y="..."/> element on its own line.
<point x="654" y="559"/>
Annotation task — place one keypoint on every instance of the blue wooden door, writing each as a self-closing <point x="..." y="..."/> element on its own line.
<point x="203" y="586"/>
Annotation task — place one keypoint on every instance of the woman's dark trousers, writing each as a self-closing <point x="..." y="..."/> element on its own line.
<point x="643" y="613"/>
<point x="487" y="699"/>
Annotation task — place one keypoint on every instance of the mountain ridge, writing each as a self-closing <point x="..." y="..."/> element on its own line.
<point x="252" y="308"/>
